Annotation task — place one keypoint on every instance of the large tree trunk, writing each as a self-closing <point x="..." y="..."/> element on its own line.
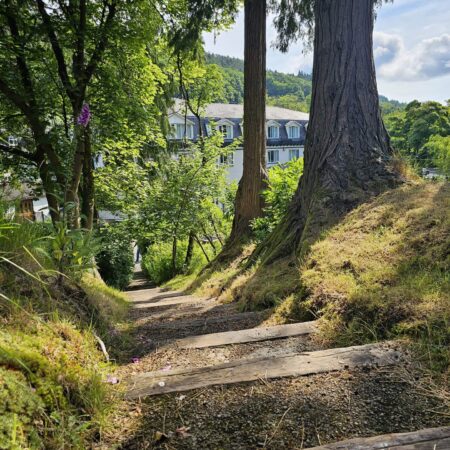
<point x="249" y="201"/>
<point x="347" y="151"/>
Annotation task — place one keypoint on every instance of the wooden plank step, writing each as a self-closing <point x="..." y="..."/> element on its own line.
<point x="182" y="299"/>
<point x="428" y="439"/>
<point x="249" y="335"/>
<point x="205" y="321"/>
<point x="153" y="294"/>
<point x="244" y="370"/>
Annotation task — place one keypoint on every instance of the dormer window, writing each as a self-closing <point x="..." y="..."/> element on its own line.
<point x="273" y="130"/>
<point x="226" y="128"/>
<point x="226" y="159"/>
<point x="183" y="131"/>
<point x="12" y="141"/>
<point x="293" y="130"/>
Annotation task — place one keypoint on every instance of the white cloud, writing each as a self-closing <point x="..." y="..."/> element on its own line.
<point x="428" y="59"/>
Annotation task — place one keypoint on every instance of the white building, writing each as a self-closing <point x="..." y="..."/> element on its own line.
<point x="285" y="130"/>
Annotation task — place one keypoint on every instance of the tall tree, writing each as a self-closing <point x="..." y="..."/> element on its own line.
<point x="68" y="53"/>
<point x="347" y="150"/>
<point x="249" y="199"/>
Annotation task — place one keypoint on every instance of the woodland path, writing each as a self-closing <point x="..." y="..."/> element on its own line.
<point x="206" y="376"/>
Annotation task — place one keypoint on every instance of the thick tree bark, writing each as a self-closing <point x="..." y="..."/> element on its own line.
<point x="249" y="201"/>
<point x="347" y="151"/>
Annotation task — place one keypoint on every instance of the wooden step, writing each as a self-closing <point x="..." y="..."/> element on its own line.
<point x="428" y="439"/>
<point x="153" y="294"/>
<point x="249" y="335"/>
<point x="154" y="383"/>
<point x="205" y="321"/>
<point x="179" y="300"/>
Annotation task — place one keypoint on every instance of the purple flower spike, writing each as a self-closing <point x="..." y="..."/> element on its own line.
<point x="135" y="360"/>
<point x="85" y="115"/>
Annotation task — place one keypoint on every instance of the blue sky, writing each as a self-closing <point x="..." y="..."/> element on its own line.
<point x="411" y="48"/>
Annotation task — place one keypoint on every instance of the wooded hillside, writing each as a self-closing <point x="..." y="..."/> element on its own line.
<point x="292" y="91"/>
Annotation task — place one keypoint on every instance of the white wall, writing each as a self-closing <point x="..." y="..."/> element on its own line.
<point x="235" y="171"/>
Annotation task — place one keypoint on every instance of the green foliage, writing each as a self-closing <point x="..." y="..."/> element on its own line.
<point x="157" y="261"/>
<point x="438" y="147"/>
<point x="185" y="195"/>
<point x="115" y="258"/>
<point x="282" y="184"/>
<point x="413" y="128"/>
<point x="73" y="251"/>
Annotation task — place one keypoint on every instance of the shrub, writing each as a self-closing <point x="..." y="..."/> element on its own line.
<point x="115" y="258"/>
<point x="157" y="261"/>
<point x="283" y="181"/>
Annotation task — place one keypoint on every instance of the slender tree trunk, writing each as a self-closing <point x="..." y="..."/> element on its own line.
<point x="174" y="255"/>
<point x="216" y="231"/>
<point x="347" y="151"/>
<point x="88" y="191"/>
<point x="249" y="202"/>
<point x="189" y="251"/>
<point x="209" y="239"/>
<point x="50" y="194"/>
<point x="202" y="248"/>
<point x="71" y="198"/>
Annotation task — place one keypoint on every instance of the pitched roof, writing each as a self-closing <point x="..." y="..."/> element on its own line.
<point x="233" y="111"/>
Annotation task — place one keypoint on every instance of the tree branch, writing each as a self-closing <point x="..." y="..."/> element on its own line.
<point x="17" y="152"/>
<point x="20" y="60"/>
<point x="101" y="44"/>
<point x="59" y="55"/>
<point x="14" y="97"/>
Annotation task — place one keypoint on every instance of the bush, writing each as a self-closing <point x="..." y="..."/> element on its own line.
<point x="283" y="182"/>
<point x="157" y="261"/>
<point x="115" y="259"/>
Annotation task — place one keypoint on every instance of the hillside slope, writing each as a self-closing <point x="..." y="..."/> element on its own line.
<point x="382" y="273"/>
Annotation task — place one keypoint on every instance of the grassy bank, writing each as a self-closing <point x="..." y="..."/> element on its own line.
<point x="54" y="389"/>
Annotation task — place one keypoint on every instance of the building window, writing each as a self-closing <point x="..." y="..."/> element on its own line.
<point x="294" y="153"/>
<point x="12" y="141"/>
<point x="273" y="156"/>
<point x="273" y="132"/>
<point x="182" y="131"/>
<point x="293" y="132"/>
<point x="226" y="130"/>
<point x="227" y="159"/>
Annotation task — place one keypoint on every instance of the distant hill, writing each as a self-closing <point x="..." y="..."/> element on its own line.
<point x="283" y="89"/>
